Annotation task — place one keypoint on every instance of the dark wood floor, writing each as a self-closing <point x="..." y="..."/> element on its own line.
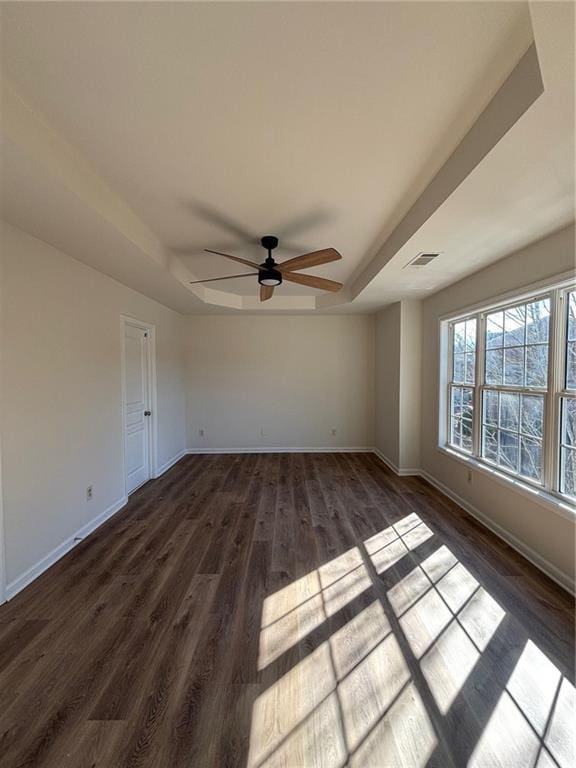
<point x="288" y="610"/>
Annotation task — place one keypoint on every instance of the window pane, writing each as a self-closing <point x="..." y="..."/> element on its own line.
<point x="537" y="321"/>
<point x="537" y="365"/>
<point x="470" y="365"/>
<point x="461" y="416"/>
<point x="494" y="330"/>
<point x="509" y="411"/>
<point x="466" y="435"/>
<point x="459" y="337"/>
<point x="532" y="415"/>
<point x="569" y="422"/>
<point x="514" y="366"/>
<point x="572" y="316"/>
<point x="470" y="335"/>
<point x="455" y="432"/>
<point x="490" y="444"/>
<point x="531" y="458"/>
<point x="458" y="371"/>
<point x="467" y="404"/>
<point x="494" y="366"/>
<point x="456" y="404"/>
<point x="568" y="479"/>
<point x="490" y="408"/>
<point x="509" y="451"/>
<point x="571" y="365"/>
<point x="514" y="320"/>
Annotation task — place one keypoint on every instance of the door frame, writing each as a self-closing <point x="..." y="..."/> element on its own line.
<point x="150" y="328"/>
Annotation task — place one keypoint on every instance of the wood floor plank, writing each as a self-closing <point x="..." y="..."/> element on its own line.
<point x="294" y="610"/>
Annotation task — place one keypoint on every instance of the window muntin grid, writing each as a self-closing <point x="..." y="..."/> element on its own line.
<point x="513" y="409"/>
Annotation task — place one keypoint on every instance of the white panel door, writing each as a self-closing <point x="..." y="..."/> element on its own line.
<point x="136" y="407"/>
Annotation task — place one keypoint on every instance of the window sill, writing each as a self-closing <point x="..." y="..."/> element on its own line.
<point x="539" y="496"/>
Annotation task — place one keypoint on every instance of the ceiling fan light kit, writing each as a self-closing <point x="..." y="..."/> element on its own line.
<point x="271" y="274"/>
<point x="270" y="277"/>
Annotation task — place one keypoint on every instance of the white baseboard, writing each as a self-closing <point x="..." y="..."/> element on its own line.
<point x="534" y="557"/>
<point x="259" y="449"/>
<point x="390" y="464"/>
<point x="34" y="571"/>
<point x="526" y="551"/>
<point x="169" y="464"/>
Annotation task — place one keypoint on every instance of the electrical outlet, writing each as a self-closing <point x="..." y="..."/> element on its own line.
<point x="201" y="432"/>
<point x="89" y="493"/>
<point x="469" y="477"/>
<point x="333" y="432"/>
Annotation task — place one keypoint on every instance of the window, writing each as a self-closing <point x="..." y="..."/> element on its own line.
<point x="568" y="404"/>
<point x="511" y="391"/>
<point x="463" y="372"/>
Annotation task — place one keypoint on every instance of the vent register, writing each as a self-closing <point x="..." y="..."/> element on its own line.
<point x="422" y="260"/>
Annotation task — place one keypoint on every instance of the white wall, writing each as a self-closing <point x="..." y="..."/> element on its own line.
<point x="387" y="366"/>
<point x="294" y="377"/>
<point x="398" y="371"/>
<point x="546" y="533"/>
<point x="410" y="375"/>
<point x="61" y="384"/>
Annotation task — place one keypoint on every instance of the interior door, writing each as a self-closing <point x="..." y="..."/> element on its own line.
<point x="136" y="406"/>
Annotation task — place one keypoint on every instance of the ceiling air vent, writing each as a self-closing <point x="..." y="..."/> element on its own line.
<point x="422" y="259"/>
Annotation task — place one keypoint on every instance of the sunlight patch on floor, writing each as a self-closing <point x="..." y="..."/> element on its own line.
<point x="480" y="618"/>
<point x="354" y="641"/>
<point x="296" y="610"/>
<point x="533" y="686"/>
<point x="288" y="616"/>
<point x="339" y="594"/>
<point x="351" y="701"/>
<point x="390" y="545"/>
<point x="370" y="689"/>
<point x="282" y="715"/>
<point x="447" y="665"/>
<point x="561" y="736"/>
<point x="423" y="622"/>
<point x="405" y="738"/>
<point x="533" y="722"/>
<point x="507" y="741"/>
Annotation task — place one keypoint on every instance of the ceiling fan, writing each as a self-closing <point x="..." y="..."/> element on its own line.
<point x="271" y="274"/>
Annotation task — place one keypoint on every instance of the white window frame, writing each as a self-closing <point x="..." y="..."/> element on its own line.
<point x="549" y="489"/>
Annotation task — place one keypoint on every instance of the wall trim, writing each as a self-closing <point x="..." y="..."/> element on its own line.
<point x="260" y="449"/>
<point x="390" y="464"/>
<point x="524" y="549"/>
<point x="18" y="584"/>
<point x="542" y="563"/>
<point x="169" y="464"/>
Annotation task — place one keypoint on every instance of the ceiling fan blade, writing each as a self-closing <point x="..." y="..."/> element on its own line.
<point x="235" y="258"/>
<point x="312" y="281"/>
<point x="266" y="292"/>
<point x="313" y="259"/>
<point x="214" y="279"/>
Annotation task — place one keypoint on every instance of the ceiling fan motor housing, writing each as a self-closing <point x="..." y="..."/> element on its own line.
<point x="269" y="276"/>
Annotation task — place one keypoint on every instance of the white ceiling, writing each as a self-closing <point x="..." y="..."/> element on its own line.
<point x="210" y="124"/>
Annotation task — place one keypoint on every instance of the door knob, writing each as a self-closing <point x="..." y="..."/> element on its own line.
<point x="147" y="413"/>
